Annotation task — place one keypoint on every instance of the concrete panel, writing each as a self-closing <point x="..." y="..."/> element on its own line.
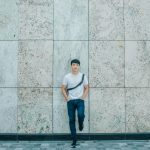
<point x="8" y="63"/>
<point x="137" y="110"/>
<point x="8" y="20"/>
<point x="60" y="114"/>
<point x="107" y="110"/>
<point x="71" y="19"/>
<point x="137" y="62"/>
<point x="35" y="63"/>
<point x="137" y="20"/>
<point x="106" y="20"/>
<point x="8" y="110"/>
<point x="106" y="64"/>
<point x="35" y="19"/>
<point x="64" y="52"/>
<point x="35" y="110"/>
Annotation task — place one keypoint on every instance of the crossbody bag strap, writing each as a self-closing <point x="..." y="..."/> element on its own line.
<point x="77" y="85"/>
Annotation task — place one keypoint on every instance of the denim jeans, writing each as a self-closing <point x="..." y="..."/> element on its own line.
<point x="72" y="105"/>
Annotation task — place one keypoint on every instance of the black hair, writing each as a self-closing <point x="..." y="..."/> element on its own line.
<point x="75" y="61"/>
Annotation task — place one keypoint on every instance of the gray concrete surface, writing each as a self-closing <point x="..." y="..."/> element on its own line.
<point x="82" y="145"/>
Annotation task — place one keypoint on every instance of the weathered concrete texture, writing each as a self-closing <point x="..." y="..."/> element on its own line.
<point x="8" y="110"/>
<point x="35" y="63"/>
<point x="60" y="114"/>
<point x="106" y="20"/>
<point x="106" y="63"/>
<point x="64" y="52"/>
<point x="35" y="19"/>
<point x="34" y="110"/>
<point x="71" y="20"/>
<point x="107" y="110"/>
<point x="137" y="59"/>
<point x="8" y="63"/>
<point x="8" y="20"/>
<point x="137" y="20"/>
<point x="35" y="2"/>
<point x="137" y="109"/>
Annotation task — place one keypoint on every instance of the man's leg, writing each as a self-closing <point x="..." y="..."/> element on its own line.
<point x="81" y="115"/>
<point x="71" y="113"/>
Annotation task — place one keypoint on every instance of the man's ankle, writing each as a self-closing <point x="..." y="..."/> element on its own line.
<point x="74" y="142"/>
<point x="81" y="126"/>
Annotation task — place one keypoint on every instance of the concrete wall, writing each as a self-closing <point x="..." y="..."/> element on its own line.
<point x="38" y="38"/>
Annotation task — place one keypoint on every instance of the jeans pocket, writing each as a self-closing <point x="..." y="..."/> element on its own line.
<point x="68" y="101"/>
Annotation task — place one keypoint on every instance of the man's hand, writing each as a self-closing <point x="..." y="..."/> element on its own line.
<point x="82" y="97"/>
<point x="86" y="89"/>
<point x="68" y="98"/>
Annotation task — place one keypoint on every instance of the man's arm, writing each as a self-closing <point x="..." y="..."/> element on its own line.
<point x="63" y="89"/>
<point x="85" y="92"/>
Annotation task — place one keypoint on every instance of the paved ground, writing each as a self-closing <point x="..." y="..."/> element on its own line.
<point x="83" y="145"/>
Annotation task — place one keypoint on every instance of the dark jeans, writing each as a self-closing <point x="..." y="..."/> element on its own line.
<point x="72" y="105"/>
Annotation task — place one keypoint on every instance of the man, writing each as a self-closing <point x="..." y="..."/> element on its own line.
<point x="77" y="85"/>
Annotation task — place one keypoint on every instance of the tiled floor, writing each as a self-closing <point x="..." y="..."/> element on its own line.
<point x="82" y="145"/>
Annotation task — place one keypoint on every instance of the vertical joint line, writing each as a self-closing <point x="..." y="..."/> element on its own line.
<point x="88" y="76"/>
<point x="53" y="71"/>
<point x="124" y="65"/>
<point x="17" y="71"/>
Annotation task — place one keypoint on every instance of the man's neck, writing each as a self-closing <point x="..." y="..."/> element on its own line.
<point x="75" y="73"/>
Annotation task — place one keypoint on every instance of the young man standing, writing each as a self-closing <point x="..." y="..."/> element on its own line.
<point x="75" y="89"/>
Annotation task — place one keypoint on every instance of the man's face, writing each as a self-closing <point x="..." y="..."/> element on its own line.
<point x="75" y="67"/>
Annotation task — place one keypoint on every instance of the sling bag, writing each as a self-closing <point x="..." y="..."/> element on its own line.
<point x="76" y="85"/>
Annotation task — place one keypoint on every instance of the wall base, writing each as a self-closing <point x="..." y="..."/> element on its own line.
<point x="85" y="136"/>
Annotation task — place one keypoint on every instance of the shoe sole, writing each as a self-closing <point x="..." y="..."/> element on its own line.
<point x="74" y="146"/>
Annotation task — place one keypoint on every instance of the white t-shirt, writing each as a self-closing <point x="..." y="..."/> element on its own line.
<point x="71" y="80"/>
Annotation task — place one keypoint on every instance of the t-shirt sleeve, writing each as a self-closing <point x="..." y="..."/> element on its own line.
<point x="85" y="81"/>
<point x="64" y="82"/>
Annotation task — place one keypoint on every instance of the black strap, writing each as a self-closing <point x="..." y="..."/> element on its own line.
<point x="76" y="85"/>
